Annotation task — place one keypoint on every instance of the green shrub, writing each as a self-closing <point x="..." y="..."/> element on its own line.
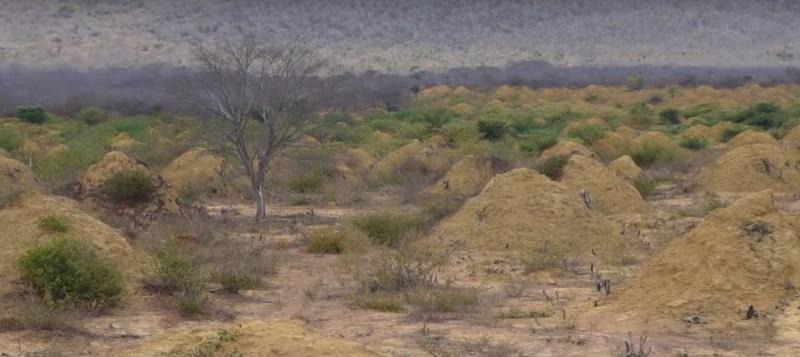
<point x="670" y="116"/>
<point x="635" y="82"/>
<point x="394" y="271"/>
<point x="388" y="229"/>
<point x="649" y="154"/>
<point x="587" y="133"/>
<point x="10" y="139"/>
<point x="553" y="166"/>
<point x="308" y="183"/>
<point x="645" y="185"/>
<point x="762" y="115"/>
<point x="131" y="185"/>
<point x="325" y="241"/>
<point x="33" y="114"/>
<point x="379" y="302"/>
<point x="65" y="273"/>
<point x="640" y="115"/>
<point x="192" y="302"/>
<point x="491" y="130"/>
<point x="92" y="115"/>
<point x="694" y="144"/>
<point x="730" y="133"/>
<point x="171" y="269"/>
<point x="53" y="224"/>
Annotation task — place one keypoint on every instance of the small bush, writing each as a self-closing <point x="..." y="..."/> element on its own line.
<point x="192" y="302"/>
<point x="553" y="166"/>
<point x="670" y="116"/>
<point x="92" y="115"/>
<point x="649" y="154"/>
<point x="694" y="144"/>
<point x="308" y="183"/>
<point x="645" y="185"/>
<point x="429" y="302"/>
<point x="171" y="269"/>
<point x="65" y="273"/>
<point x="325" y="241"/>
<point x="379" y="302"/>
<point x="730" y="133"/>
<point x="394" y="271"/>
<point x="10" y="139"/>
<point x="388" y="229"/>
<point x="33" y="114"/>
<point x="239" y="266"/>
<point x="635" y="82"/>
<point x="131" y="185"/>
<point x="587" y="133"/>
<point x="491" y="130"/>
<point x="53" y="224"/>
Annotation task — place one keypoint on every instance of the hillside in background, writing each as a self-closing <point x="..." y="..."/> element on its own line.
<point x="403" y="36"/>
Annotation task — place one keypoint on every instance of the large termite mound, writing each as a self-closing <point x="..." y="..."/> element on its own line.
<point x="752" y="168"/>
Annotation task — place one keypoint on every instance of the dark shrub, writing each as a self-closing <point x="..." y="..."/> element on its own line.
<point x="92" y="115"/>
<point x="730" y="133"/>
<point x="131" y="185"/>
<point x="65" y="273"/>
<point x="694" y="144"/>
<point x="645" y="185"/>
<point x="33" y="114"/>
<point x="553" y="166"/>
<point x="670" y="116"/>
<point x="491" y="130"/>
<point x="388" y="229"/>
<point x="762" y="115"/>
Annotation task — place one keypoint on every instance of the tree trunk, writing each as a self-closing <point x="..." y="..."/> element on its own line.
<point x="261" y="205"/>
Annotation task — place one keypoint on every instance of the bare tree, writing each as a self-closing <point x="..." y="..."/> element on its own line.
<point x="255" y="101"/>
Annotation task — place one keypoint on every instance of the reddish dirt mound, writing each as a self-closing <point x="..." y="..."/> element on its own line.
<point x="742" y="255"/>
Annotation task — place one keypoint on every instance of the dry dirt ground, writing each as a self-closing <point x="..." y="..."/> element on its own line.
<point x="317" y="289"/>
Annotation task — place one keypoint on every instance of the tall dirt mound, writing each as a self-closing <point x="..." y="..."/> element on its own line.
<point x="792" y="138"/>
<point x="565" y="148"/>
<point x="699" y="132"/>
<point x="521" y="210"/>
<point x="358" y="160"/>
<point x="466" y="178"/>
<point x="655" y="139"/>
<point x="89" y="190"/>
<point x="197" y="170"/>
<point x="15" y="178"/>
<point x="253" y="338"/>
<point x="750" y="137"/>
<point x="752" y="168"/>
<point x="20" y="222"/>
<point x="609" y="193"/>
<point x="625" y="167"/>
<point x="415" y="156"/>
<point x="742" y="255"/>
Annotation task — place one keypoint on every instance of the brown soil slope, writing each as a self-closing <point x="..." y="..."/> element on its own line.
<point x="610" y="193"/>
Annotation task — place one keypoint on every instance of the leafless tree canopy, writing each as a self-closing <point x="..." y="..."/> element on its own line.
<point x="255" y="101"/>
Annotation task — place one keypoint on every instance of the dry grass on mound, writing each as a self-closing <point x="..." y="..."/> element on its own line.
<point x="565" y="148"/>
<point x="750" y="137"/>
<point x="196" y="170"/>
<point x="466" y="178"/>
<point x="610" y="194"/>
<point x="753" y="168"/>
<point x="252" y="338"/>
<point x="15" y="178"/>
<point x="521" y="211"/>
<point x="21" y="230"/>
<point x="742" y="255"/>
<point x="625" y="167"/>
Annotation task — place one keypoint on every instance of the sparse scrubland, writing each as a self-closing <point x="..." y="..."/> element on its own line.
<point x="619" y="221"/>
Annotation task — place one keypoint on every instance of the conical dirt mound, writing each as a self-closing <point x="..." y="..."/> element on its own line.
<point x="752" y="168"/>
<point x="466" y="178"/>
<point x="750" y="137"/>
<point x="609" y="193"/>
<point x="15" y="178"/>
<point x="625" y="167"/>
<point x="196" y="170"/>
<point x="742" y="255"/>
<point x="521" y="210"/>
